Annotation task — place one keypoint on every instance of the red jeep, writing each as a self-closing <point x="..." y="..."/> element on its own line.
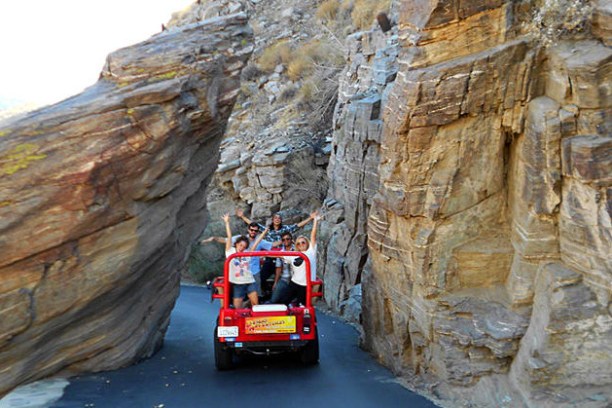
<point x="269" y="328"/>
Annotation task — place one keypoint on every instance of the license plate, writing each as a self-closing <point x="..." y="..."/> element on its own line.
<point x="270" y="324"/>
<point x="227" y="331"/>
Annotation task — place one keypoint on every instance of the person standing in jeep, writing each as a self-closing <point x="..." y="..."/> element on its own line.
<point x="241" y="277"/>
<point x="276" y="230"/>
<point x="283" y="271"/>
<point x="276" y="227"/>
<point x="252" y="236"/>
<point x="297" y="285"/>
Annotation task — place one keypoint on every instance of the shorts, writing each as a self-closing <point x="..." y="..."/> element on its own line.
<point x="241" y="290"/>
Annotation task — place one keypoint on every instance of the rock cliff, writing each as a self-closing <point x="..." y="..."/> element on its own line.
<point x="471" y="152"/>
<point x="101" y="196"/>
<point x="276" y="148"/>
<point x="469" y="188"/>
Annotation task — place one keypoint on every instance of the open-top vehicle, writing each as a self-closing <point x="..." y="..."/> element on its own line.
<point x="269" y="328"/>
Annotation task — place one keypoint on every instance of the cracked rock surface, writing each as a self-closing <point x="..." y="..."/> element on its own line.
<point x="101" y="196"/>
<point x="469" y="199"/>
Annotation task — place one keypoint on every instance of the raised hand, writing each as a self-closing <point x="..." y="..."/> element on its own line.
<point x="307" y="220"/>
<point x="240" y="214"/>
<point x="228" y="232"/>
<point x="313" y="234"/>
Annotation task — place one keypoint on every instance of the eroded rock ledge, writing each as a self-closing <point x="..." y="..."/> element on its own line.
<point x="472" y="156"/>
<point x="101" y="196"/>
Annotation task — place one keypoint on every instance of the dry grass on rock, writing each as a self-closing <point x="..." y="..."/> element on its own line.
<point x="365" y="11"/>
<point x="313" y="67"/>
<point x="328" y="10"/>
<point x="359" y="14"/>
<point x="279" y="53"/>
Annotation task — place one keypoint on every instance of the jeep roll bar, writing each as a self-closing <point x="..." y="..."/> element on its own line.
<point x="224" y="283"/>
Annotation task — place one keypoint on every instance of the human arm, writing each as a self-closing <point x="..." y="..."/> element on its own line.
<point x="220" y="240"/>
<point x="228" y="231"/>
<point x="307" y="220"/>
<point x="313" y="233"/>
<point x="240" y="214"/>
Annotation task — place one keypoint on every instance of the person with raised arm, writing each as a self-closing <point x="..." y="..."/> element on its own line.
<point x="277" y="229"/>
<point x="283" y="272"/>
<point x="240" y="274"/>
<point x="252" y="235"/>
<point x="297" y="285"/>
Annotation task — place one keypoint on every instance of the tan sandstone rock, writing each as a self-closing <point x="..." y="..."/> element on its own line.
<point x="488" y="274"/>
<point x="101" y="196"/>
<point x="565" y="353"/>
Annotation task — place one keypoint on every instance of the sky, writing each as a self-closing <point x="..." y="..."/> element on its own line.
<point x="53" y="49"/>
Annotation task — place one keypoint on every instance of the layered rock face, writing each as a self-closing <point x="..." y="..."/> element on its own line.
<point x="489" y="233"/>
<point x="274" y="156"/>
<point x="353" y="169"/>
<point x="101" y="196"/>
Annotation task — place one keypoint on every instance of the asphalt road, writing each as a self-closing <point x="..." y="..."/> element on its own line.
<point x="182" y="373"/>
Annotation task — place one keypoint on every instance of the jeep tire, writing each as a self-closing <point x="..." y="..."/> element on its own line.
<point x="309" y="354"/>
<point x="224" y="356"/>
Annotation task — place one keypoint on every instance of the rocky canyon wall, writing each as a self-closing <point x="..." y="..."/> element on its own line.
<point x="101" y="196"/>
<point x="276" y="147"/>
<point x="471" y="153"/>
<point x="353" y="170"/>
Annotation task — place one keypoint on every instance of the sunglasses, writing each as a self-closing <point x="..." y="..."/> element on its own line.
<point x="301" y="243"/>
<point x="286" y="239"/>
<point x="253" y="229"/>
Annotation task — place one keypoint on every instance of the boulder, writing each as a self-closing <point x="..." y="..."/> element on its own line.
<point x="101" y="196"/>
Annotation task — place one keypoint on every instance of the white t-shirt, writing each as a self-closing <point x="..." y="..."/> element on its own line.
<point x="299" y="272"/>
<point x="285" y="265"/>
<point x="239" y="269"/>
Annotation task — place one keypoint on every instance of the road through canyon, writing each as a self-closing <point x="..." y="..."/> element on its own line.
<point x="182" y="373"/>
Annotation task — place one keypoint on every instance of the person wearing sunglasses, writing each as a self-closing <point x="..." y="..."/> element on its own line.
<point x="277" y="229"/>
<point x="252" y="236"/>
<point x="283" y="272"/>
<point x="297" y="285"/>
<point x="240" y="274"/>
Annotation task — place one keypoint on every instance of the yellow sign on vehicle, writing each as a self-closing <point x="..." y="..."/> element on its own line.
<point x="270" y="324"/>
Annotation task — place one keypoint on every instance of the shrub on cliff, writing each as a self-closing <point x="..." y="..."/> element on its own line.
<point x="251" y="72"/>
<point x="279" y="53"/>
<point x="344" y="16"/>
<point x="365" y="11"/>
<point x="315" y="64"/>
<point x="200" y="267"/>
<point x="328" y="10"/>
<point x="309" y="56"/>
